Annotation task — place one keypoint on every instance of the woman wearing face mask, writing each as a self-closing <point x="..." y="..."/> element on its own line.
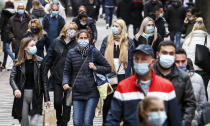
<point x="35" y="30"/>
<point x="117" y="49"/>
<point x="55" y="61"/>
<point x="151" y="112"/>
<point x="148" y="34"/>
<point x="26" y="82"/>
<point x="78" y="74"/>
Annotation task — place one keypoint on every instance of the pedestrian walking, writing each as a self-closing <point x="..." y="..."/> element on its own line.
<point x="37" y="11"/>
<point x="92" y="8"/>
<point x="148" y="34"/>
<point x="117" y="49"/>
<point x="135" y="88"/>
<point x="6" y="13"/>
<point x="151" y="112"/>
<point x="149" y="6"/>
<point x="61" y="9"/>
<point x="84" y="22"/>
<point x="53" y="23"/>
<point x="110" y="6"/>
<point x="17" y="26"/>
<point x="74" y="6"/>
<point x="55" y="61"/>
<point x="36" y="31"/>
<point x="25" y="80"/>
<point x="78" y="74"/>
<point x="136" y="9"/>
<point x="197" y="36"/>
<point x="197" y="83"/>
<point x="175" y="15"/>
<point x="166" y="68"/>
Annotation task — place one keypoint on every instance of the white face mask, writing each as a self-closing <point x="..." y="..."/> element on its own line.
<point x="166" y="61"/>
<point x="71" y="33"/>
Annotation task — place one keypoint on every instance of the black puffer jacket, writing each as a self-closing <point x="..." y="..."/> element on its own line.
<point x="143" y="40"/>
<point x="55" y="60"/>
<point x="184" y="92"/>
<point x="85" y="86"/>
<point x="17" y="81"/>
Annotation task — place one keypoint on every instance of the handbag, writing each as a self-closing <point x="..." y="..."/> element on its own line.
<point x="113" y="79"/>
<point x="102" y="82"/>
<point x="202" y="56"/>
<point x="49" y="118"/>
<point x="69" y="91"/>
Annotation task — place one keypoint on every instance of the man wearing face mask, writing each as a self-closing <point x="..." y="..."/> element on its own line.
<point x="165" y="67"/>
<point x="150" y="5"/>
<point x="85" y="22"/>
<point x="189" y="21"/>
<point x="144" y="83"/>
<point x="17" y="26"/>
<point x="53" y="23"/>
<point x="197" y="83"/>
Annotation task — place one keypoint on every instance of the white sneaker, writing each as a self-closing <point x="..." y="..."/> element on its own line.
<point x="107" y="26"/>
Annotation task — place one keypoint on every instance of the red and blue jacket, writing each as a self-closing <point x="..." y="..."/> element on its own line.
<point x="128" y="94"/>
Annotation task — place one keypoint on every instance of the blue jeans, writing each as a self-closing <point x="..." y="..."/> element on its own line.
<point x="84" y="112"/>
<point x="176" y="38"/>
<point x="7" y="51"/>
<point x="109" y="13"/>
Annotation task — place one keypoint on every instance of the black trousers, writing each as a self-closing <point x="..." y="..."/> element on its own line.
<point x="206" y="78"/>
<point x="108" y="100"/>
<point x="62" y="111"/>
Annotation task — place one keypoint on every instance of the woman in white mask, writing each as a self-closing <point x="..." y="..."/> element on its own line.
<point x="54" y="61"/>
<point x="151" y="112"/>
<point x="148" y="34"/>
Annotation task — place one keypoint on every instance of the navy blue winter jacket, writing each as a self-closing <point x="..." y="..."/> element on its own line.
<point x="84" y="86"/>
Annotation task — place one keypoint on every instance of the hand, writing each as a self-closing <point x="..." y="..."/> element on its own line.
<point x="94" y="41"/>
<point x="115" y="8"/>
<point x="70" y="8"/>
<point x="92" y="66"/>
<point x="47" y="103"/>
<point x="66" y="87"/>
<point x="186" y="21"/>
<point x="13" y="39"/>
<point x="17" y="94"/>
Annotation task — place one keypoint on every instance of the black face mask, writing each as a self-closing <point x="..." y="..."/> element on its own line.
<point x="35" y="30"/>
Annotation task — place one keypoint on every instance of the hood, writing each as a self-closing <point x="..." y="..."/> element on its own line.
<point x="9" y="10"/>
<point x="199" y="33"/>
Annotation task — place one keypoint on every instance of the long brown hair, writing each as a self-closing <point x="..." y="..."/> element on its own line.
<point x="21" y="54"/>
<point x="124" y="46"/>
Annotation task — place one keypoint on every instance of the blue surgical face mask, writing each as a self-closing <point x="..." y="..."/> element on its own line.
<point x="166" y="61"/>
<point x="141" y="68"/>
<point x="54" y="13"/>
<point x="115" y="31"/>
<point x="190" y="18"/>
<point x="150" y="29"/>
<point x="32" y="50"/>
<point x="157" y="118"/>
<point x="83" y="43"/>
<point x="83" y="23"/>
<point x="20" y="12"/>
<point x="184" y="67"/>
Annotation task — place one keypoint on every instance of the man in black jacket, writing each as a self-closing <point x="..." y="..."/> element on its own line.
<point x="74" y="5"/>
<point x="150" y="6"/>
<point x="166" y="67"/>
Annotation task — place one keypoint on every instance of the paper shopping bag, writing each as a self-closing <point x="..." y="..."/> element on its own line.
<point x="49" y="117"/>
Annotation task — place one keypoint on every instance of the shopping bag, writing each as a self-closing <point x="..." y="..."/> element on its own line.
<point x="49" y="118"/>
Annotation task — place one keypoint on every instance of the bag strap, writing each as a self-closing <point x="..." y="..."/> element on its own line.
<point x="79" y="71"/>
<point x="205" y="42"/>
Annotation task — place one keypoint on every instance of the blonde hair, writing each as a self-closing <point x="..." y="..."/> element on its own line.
<point x="124" y="46"/>
<point x="21" y="54"/>
<point x="66" y="28"/>
<point x="36" y="3"/>
<point x="199" y="25"/>
<point x="39" y="25"/>
<point x="143" y="28"/>
<point x="144" y="105"/>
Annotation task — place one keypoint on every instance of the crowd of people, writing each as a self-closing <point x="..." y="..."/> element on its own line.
<point x="158" y="82"/>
